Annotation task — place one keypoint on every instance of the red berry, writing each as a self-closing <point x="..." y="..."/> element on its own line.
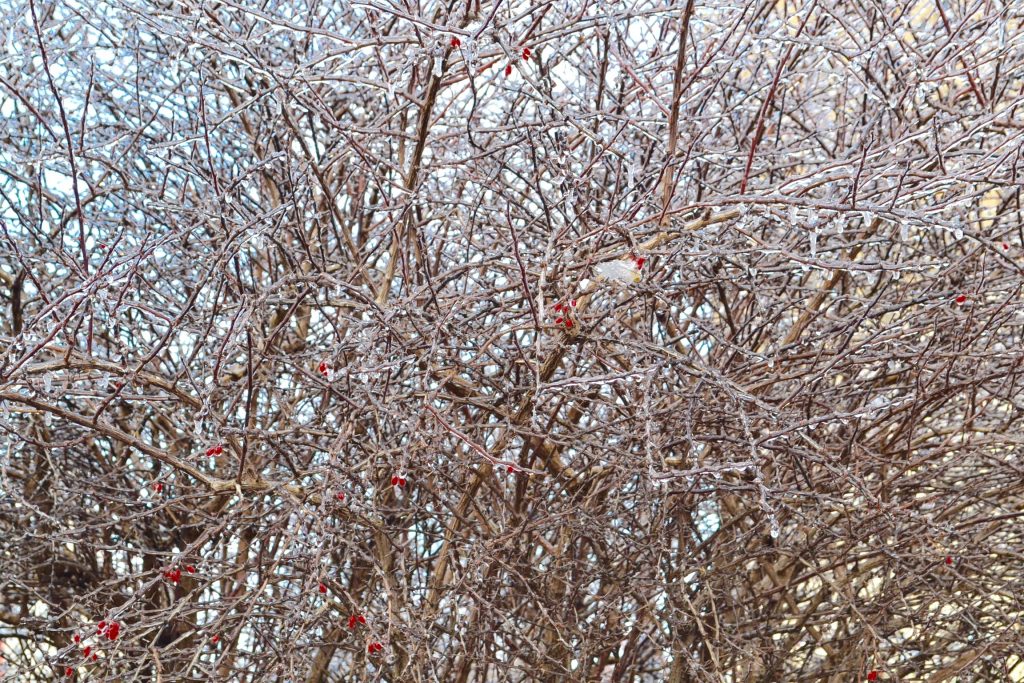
<point x="94" y="657"/>
<point x="526" y="54"/>
<point x="558" y="307"/>
<point x="68" y="671"/>
<point x="1006" y="247"/>
<point x="190" y="569"/>
<point x="511" y="469"/>
<point x="214" y="639"/>
<point x="573" y="302"/>
<point x="640" y="263"/>
<point x="401" y="481"/>
<point x="361" y="619"/>
<point x="558" y="321"/>
<point x="456" y="42"/>
<point x="86" y="651"/>
<point x="352" y="621"/>
<point x="218" y="450"/>
<point x="323" y="588"/>
<point x="394" y="480"/>
<point x="100" y="626"/>
<point x="962" y="298"/>
<point x="78" y="638"/>
<point x="949" y="560"/>
<point x="872" y="675"/>
<point x="158" y="487"/>
<point x="508" y="70"/>
<point x="340" y="495"/>
<point x="568" y="323"/>
<point x="113" y="630"/>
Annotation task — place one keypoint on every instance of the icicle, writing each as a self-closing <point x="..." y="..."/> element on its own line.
<point x="814" y="243"/>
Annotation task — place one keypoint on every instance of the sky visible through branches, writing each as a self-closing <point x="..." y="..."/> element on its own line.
<point x="492" y="340"/>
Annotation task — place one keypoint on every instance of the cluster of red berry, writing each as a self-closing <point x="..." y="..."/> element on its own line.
<point x="109" y="629"/>
<point x="565" y="314"/>
<point x="526" y="57"/>
<point x="356" y="618"/>
<point x="174" y="575"/>
<point x="87" y="654"/>
<point x="398" y="481"/>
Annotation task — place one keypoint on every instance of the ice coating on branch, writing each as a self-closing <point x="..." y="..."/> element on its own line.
<point x="620" y="271"/>
<point x="436" y="53"/>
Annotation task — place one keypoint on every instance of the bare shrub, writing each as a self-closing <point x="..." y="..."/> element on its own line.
<point x="507" y="341"/>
